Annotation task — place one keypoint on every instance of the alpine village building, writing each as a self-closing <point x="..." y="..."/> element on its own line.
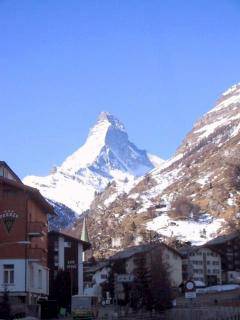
<point x="66" y="253"/>
<point x="30" y="255"/>
<point x="24" y="213"/>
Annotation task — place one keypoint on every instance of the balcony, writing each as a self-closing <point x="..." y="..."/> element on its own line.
<point x="36" y="229"/>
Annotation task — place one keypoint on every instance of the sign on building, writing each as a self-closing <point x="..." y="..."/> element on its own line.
<point x="125" y="278"/>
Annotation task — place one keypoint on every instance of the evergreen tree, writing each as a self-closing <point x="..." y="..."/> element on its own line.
<point x="140" y="294"/>
<point x="160" y="287"/>
<point x="62" y="289"/>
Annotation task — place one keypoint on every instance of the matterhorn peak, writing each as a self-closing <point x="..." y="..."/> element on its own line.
<point x="111" y="119"/>
<point x="107" y="155"/>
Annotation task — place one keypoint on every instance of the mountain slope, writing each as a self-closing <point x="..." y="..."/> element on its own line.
<point x="106" y="156"/>
<point x="193" y="196"/>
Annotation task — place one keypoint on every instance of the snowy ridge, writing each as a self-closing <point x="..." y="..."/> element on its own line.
<point x="106" y="156"/>
<point x="230" y="98"/>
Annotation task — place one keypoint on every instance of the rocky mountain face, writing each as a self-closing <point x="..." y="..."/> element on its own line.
<point x="106" y="156"/>
<point x="192" y="197"/>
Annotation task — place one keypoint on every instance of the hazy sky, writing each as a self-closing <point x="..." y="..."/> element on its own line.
<point x="156" y="65"/>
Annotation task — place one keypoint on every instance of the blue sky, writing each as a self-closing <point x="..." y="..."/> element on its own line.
<point x="156" y="65"/>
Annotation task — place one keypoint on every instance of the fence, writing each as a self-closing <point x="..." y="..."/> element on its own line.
<point x="203" y="313"/>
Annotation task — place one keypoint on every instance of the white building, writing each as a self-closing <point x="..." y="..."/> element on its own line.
<point x="201" y="264"/>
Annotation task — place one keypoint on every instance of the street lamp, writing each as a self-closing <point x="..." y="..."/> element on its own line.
<point x="23" y="242"/>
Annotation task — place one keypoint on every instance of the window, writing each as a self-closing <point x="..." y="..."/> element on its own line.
<point x="199" y="271"/>
<point x="39" y="279"/>
<point x="1" y="172"/>
<point x="8" y="274"/>
<point x="215" y="271"/>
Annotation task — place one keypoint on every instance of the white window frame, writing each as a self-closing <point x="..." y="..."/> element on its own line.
<point x="8" y="274"/>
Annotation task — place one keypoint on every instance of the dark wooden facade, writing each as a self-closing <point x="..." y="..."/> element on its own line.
<point x="71" y="258"/>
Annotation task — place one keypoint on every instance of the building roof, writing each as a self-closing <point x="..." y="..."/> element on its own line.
<point x="224" y="238"/>
<point x="131" y="251"/>
<point x="97" y="266"/>
<point x="4" y="164"/>
<point x="184" y="251"/>
<point x="32" y="192"/>
<point x="67" y="234"/>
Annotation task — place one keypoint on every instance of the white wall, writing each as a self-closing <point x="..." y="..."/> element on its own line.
<point x="80" y="270"/>
<point x="95" y="290"/>
<point x="33" y="279"/>
<point x="19" y="277"/>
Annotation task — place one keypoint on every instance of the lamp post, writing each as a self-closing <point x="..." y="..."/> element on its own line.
<point x="23" y="242"/>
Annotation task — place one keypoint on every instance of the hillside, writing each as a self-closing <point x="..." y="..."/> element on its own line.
<point x="191" y="197"/>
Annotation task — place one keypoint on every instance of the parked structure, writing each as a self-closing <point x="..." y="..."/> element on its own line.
<point x="228" y="246"/>
<point x="202" y="265"/>
<point x="23" y="239"/>
<point x="65" y="252"/>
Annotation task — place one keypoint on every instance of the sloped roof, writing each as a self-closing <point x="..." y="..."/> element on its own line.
<point x="131" y="251"/>
<point x="71" y="236"/>
<point x="223" y="238"/>
<point x="4" y="164"/>
<point x="33" y="193"/>
<point x="189" y="249"/>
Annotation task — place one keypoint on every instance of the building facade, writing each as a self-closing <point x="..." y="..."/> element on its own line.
<point x="202" y="265"/>
<point x="117" y="277"/>
<point x="65" y="252"/>
<point x="171" y="260"/>
<point x="23" y="239"/>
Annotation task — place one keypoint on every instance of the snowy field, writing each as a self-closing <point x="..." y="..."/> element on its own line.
<point x="187" y="230"/>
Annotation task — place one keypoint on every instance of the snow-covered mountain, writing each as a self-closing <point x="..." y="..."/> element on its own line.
<point x="106" y="156"/>
<point x="193" y="196"/>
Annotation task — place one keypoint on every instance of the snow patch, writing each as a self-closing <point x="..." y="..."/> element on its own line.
<point x="186" y="230"/>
